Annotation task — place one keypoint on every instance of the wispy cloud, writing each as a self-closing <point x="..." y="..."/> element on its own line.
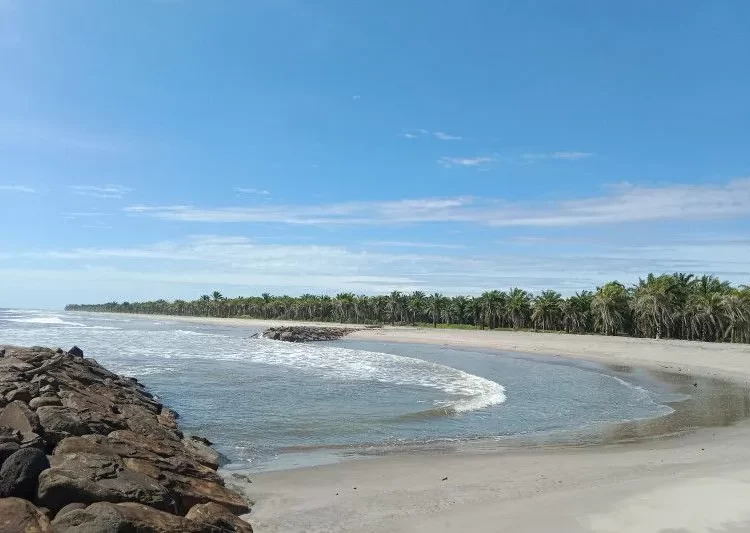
<point x="260" y="192"/>
<point x="186" y="267"/>
<point x="17" y="188"/>
<point x="445" y="136"/>
<point x="450" y="162"/>
<point x="441" y="135"/>
<point x="621" y="203"/>
<point x="96" y="191"/>
<point x="567" y="156"/>
<point x="415" y="244"/>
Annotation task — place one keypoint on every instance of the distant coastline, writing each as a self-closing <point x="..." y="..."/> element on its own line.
<point x="669" y="306"/>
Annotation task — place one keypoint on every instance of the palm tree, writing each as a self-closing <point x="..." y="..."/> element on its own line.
<point x="435" y="303"/>
<point x="654" y="303"/>
<point x="576" y="312"/>
<point x="518" y="307"/>
<point x="217" y="296"/>
<point x="394" y="307"/>
<point x="493" y="304"/>
<point x="547" y="310"/>
<point x="609" y="306"/>
<point x="416" y="305"/>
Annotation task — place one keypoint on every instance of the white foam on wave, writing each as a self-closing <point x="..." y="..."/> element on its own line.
<point x="50" y="320"/>
<point x="469" y="392"/>
<point x="195" y="333"/>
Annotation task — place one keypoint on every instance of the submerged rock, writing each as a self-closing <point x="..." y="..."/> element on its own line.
<point x="308" y="333"/>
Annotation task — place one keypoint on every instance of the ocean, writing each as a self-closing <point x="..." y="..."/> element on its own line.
<point x="271" y="405"/>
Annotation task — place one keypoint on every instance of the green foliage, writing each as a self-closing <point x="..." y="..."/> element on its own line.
<point x="667" y="306"/>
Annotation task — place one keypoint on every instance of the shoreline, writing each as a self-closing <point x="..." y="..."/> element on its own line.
<point x="694" y="483"/>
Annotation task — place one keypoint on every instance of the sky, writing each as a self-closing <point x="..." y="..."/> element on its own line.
<point x="168" y="148"/>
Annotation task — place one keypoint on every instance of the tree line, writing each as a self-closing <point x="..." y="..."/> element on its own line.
<point x="676" y="306"/>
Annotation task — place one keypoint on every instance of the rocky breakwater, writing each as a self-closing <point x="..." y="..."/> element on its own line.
<point x="85" y="450"/>
<point x="307" y="333"/>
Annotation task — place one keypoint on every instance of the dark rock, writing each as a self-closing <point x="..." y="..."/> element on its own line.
<point x="89" y="478"/>
<point x="42" y="401"/>
<point x="307" y="333"/>
<point x="7" y="449"/>
<point x="60" y="422"/>
<point x="203" y="453"/>
<point x="213" y="514"/>
<point x="70" y="507"/>
<point x="125" y="518"/>
<point x="8" y="434"/>
<point x="191" y="491"/>
<point x="21" y="516"/>
<point x="20" y="473"/>
<point x="75" y="351"/>
<point x="20" y="395"/>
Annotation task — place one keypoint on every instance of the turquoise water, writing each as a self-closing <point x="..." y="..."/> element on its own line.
<point x="268" y="404"/>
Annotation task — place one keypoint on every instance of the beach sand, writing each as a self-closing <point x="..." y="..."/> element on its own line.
<point x="695" y="483"/>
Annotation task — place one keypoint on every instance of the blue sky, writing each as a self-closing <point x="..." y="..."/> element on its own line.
<point x="169" y="148"/>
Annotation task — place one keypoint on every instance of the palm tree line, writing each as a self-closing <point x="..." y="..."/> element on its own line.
<point x="676" y="306"/>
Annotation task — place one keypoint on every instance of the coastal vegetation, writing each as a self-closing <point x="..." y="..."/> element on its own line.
<point x="675" y="306"/>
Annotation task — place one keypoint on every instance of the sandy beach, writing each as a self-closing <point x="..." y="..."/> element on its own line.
<point x="695" y="483"/>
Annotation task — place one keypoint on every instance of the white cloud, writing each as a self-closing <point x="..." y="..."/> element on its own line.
<point x="567" y="156"/>
<point x="441" y="135"/>
<point x="446" y="136"/>
<point x="237" y="265"/>
<point x="449" y="162"/>
<point x="414" y="244"/>
<point x="17" y="188"/>
<point x="96" y="191"/>
<point x="260" y="192"/>
<point x="623" y="203"/>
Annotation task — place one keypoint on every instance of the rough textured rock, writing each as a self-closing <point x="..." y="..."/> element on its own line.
<point x="21" y="516"/>
<point x="203" y="453"/>
<point x="59" y="422"/>
<point x="89" y="478"/>
<point x="70" y="507"/>
<point x="215" y="515"/>
<point x="307" y="333"/>
<point x="18" y="416"/>
<point x="43" y="401"/>
<point x="7" y="449"/>
<point x="125" y="518"/>
<point x="110" y="441"/>
<point x="20" y="473"/>
<point x="75" y="351"/>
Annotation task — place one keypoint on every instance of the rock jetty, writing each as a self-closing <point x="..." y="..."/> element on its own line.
<point x="308" y="333"/>
<point x="83" y="450"/>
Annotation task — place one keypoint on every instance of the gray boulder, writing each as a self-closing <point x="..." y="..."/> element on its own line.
<point x="20" y="473"/>
<point x="89" y="478"/>
<point x="60" y="422"/>
<point x="21" y="516"/>
<point x="213" y="514"/>
<point x="43" y="401"/>
<point x="126" y="518"/>
<point x="7" y="449"/>
<point x="18" y="416"/>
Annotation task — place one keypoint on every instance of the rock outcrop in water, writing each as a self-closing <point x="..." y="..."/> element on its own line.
<point x="308" y="333"/>
<point x="85" y="450"/>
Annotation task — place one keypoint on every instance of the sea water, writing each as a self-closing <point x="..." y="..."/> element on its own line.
<point x="269" y="404"/>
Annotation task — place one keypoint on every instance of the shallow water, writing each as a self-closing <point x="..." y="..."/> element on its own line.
<point x="268" y="404"/>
